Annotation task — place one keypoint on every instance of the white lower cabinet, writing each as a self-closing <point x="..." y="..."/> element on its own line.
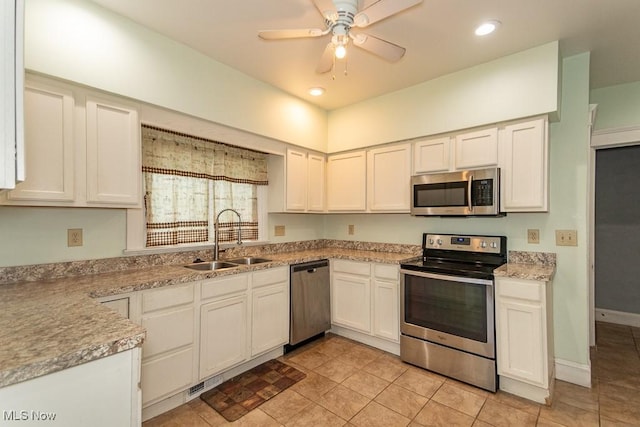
<point x="365" y="298"/>
<point x="168" y="315"/>
<point x="269" y="309"/>
<point x="386" y="301"/>
<point x="524" y="332"/>
<point x="351" y="295"/>
<point x="100" y="393"/>
<point x="224" y="320"/>
<point x="223" y="334"/>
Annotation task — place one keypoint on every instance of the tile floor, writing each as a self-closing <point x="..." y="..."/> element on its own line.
<point x="354" y="385"/>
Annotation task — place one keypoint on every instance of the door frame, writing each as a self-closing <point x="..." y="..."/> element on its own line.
<point x="601" y="139"/>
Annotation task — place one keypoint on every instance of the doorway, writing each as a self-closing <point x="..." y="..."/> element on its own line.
<point x="614" y="225"/>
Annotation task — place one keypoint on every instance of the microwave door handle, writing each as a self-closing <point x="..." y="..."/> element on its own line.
<point x="469" y="198"/>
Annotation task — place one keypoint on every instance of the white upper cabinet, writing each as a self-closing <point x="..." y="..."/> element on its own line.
<point x="113" y="152"/>
<point x="347" y="181"/>
<point x="388" y="178"/>
<point x="82" y="148"/>
<point x="476" y="149"/>
<point x="296" y="182"/>
<point x="11" y="84"/>
<point x="525" y="166"/>
<point x="50" y="147"/>
<point x="316" y="166"/>
<point x="431" y="155"/>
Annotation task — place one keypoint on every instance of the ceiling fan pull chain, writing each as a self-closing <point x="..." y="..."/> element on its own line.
<point x="346" y="63"/>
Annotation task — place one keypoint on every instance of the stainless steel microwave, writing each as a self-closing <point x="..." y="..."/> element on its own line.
<point x="462" y="193"/>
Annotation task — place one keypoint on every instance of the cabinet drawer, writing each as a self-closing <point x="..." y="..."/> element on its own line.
<point x="386" y="271"/>
<point x="224" y="285"/>
<point x="353" y="267"/>
<point x="170" y="296"/>
<point x="270" y="276"/>
<point x="521" y="289"/>
<point x="167" y="331"/>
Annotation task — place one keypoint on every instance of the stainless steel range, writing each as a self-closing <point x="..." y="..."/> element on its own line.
<point x="447" y="312"/>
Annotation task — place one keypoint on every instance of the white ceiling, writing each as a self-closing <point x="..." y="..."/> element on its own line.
<point x="438" y="36"/>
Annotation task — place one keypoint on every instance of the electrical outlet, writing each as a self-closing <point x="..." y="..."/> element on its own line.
<point x="278" y="231"/>
<point x="533" y="235"/>
<point x="352" y="229"/>
<point x="566" y="237"/>
<point x="74" y="237"/>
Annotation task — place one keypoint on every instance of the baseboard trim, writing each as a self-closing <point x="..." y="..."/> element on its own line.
<point x="380" y="343"/>
<point x="574" y="373"/>
<point x="617" y="317"/>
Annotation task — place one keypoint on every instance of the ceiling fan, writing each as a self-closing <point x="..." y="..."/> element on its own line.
<point x="340" y="17"/>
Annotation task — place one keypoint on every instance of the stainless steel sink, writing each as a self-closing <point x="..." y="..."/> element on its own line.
<point x="211" y="265"/>
<point x="247" y="260"/>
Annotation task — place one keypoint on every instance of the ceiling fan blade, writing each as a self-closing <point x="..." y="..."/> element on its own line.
<point x="326" y="60"/>
<point x="327" y="9"/>
<point x="381" y="10"/>
<point x="291" y="34"/>
<point x="384" y="49"/>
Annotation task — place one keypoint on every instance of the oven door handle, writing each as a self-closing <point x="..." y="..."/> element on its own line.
<point x="458" y="279"/>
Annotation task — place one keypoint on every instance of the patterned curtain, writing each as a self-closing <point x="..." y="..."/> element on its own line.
<point x="188" y="180"/>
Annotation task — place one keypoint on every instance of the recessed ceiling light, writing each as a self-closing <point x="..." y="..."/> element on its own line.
<point x="316" y="91"/>
<point x="487" y="28"/>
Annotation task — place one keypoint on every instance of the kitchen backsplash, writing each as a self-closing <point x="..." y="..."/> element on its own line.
<point x="37" y="272"/>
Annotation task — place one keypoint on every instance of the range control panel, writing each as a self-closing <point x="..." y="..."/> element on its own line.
<point x="487" y="244"/>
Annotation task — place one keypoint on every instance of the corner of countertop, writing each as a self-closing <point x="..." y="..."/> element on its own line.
<point x="538" y="266"/>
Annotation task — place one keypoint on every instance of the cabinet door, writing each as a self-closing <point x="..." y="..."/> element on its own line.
<point x="520" y="341"/>
<point x="223" y="335"/>
<point x="431" y="155"/>
<point x="316" y="183"/>
<point x="524" y="167"/>
<point x="386" y="316"/>
<point x="166" y="375"/>
<point x="49" y="145"/>
<point x="477" y="149"/>
<point x="11" y="94"/>
<point x="296" y="180"/>
<point x="388" y="178"/>
<point x="351" y="301"/>
<point x="113" y="153"/>
<point x="270" y="318"/>
<point x="347" y="182"/>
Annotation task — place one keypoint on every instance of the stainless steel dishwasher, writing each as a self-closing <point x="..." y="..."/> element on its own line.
<point x="310" y="313"/>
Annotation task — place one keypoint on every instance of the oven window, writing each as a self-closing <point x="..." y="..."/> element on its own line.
<point x="455" y="308"/>
<point x="440" y="195"/>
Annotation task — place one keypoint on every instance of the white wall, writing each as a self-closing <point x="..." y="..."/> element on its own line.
<point x="80" y="41"/>
<point x="519" y="85"/>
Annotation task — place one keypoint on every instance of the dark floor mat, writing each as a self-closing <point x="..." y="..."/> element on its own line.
<point x="234" y="398"/>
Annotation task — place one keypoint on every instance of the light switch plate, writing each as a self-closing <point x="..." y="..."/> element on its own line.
<point x="566" y="237"/>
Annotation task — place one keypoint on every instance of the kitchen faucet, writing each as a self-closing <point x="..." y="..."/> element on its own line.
<point x="216" y="250"/>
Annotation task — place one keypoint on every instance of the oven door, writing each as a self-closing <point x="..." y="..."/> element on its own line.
<point x="453" y="311"/>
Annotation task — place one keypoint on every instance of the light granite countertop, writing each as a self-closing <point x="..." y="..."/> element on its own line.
<point x="47" y="325"/>
<point x="539" y="266"/>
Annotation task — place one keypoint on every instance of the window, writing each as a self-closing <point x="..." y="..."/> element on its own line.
<point x="188" y="180"/>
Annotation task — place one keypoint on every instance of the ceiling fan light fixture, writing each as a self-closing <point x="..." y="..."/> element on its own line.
<point x="487" y="28"/>
<point x="316" y="91"/>
<point x="341" y="51"/>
